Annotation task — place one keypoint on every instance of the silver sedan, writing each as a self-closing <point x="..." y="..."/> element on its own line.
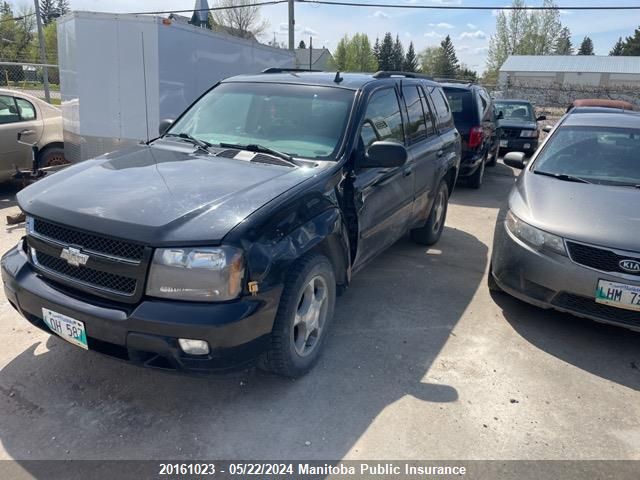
<point x="569" y="238"/>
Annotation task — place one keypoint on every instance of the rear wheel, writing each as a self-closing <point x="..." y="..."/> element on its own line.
<point x="52" y="157"/>
<point x="432" y="230"/>
<point x="475" y="180"/>
<point x="493" y="160"/>
<point x="304" y="314"/>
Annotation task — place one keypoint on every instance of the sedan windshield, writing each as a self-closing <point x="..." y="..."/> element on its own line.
<point x="515" y="111"/>
<point x="595" y="154"/>
<point x="299" y="120"/>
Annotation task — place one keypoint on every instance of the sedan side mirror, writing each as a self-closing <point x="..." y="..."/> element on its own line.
<point x="541" y="118"/>
<point x="515" y="160"/>
<point x="165" y="124"/>
<point x="547" y="128"/>
<point x="384" y="155"/>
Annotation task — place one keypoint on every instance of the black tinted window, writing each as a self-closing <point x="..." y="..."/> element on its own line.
<point x="443" y="114"/>
<point x="383" y="120"/>
<point x="429" y="116"/>
<point x="416" y="126"/>
<point x="461" y="102"/>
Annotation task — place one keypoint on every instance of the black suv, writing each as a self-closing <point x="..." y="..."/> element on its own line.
<point x="226" y="239"/>
<point x="475" y="119"/>
<point x="518" y="126"/>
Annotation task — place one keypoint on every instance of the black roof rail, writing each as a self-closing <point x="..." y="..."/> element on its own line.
<point x="466" y="81"/>
<point x="391" y="73"/>
<point x="285" y="70"/>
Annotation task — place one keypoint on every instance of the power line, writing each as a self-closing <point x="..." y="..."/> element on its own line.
<point x="464" y="7"/>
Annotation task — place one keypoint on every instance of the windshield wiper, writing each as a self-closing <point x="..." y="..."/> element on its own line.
<point x="287" y="159"/>
<point x="562" y="176"/>
<point x="201" y="144"/>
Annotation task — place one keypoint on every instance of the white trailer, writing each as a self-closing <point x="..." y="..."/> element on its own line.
<point x="121" y="74"/>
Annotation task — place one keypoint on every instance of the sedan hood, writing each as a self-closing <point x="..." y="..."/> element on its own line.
<point x="598" y="214"/>
<point x="159" y="194"/>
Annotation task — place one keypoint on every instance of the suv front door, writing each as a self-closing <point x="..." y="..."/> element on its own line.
<point x="383" y="196"/>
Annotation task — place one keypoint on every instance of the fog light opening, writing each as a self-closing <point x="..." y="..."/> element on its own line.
<point x="193" y="347"/>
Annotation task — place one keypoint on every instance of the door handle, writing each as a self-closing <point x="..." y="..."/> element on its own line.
<point x="408" y="170"/>
<point x="27" y="132"/>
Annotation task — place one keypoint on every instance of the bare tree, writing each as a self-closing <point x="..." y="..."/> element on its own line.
<point x="243" y="20"/>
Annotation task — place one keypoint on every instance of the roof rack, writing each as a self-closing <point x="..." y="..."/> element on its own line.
<point x="391" y="73"/>
<point x="466" y="81"/>
<point x="285" y="70"/>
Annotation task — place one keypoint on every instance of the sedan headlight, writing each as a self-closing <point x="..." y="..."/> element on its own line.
<point x="529" y="133"/>
<point x="538" y="239"/>
<point x="199" y="274"/>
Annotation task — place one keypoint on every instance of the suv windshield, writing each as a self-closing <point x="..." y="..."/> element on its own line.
<point x="461" y="104"/>
<point x="515" y="111"/>
<point x="300" y="120"/>
<point x="596" y="154"/>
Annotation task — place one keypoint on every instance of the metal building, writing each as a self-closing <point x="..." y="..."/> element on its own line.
<point x="578" y="70"/>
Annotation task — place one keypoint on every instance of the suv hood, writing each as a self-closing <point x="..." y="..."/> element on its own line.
<point x="597" y="214"/>
<point x="159" y="195"/>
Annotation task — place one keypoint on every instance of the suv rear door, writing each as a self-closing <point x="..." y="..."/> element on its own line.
<point x="383" y="196"/>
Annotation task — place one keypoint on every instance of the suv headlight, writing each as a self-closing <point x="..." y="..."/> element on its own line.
<point x="529" y="133"/>
<point x="200" y="274"/>
<point x="538" y="239"/>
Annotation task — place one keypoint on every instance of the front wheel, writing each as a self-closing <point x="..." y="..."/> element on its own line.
<point x="52" y="157"/>
<point x="432" y="230"/>
<point x="304" y="314"/>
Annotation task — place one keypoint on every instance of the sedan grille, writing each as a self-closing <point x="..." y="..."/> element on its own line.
<point x="588" y="306"/>
<point x="105" y="280"/>
<point x="511" y="133"/>
<point x="599" y="258"/>
<point x="88" y="241"/>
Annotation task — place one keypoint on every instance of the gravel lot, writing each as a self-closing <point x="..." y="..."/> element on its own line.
<point x="422" y="363"/>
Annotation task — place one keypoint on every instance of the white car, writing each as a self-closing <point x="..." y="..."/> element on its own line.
<point x="39" y="123"/>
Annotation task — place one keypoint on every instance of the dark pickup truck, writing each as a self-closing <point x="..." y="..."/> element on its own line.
<point x="225" y="240"/>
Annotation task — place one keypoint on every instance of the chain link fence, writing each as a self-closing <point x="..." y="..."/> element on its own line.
<point x="29" y="78"/>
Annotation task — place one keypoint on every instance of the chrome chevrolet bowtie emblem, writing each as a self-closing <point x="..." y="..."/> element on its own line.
<point x="74" y="256"/>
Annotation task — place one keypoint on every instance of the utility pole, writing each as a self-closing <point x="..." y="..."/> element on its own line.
<point x="292" y="25"/>
<point x="43" y="54"/>
<point x="310" y="52"/>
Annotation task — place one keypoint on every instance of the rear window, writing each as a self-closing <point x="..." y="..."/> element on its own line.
<point x="462" y="107"/>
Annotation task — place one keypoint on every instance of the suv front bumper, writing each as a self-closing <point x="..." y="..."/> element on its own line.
<point x="147" y="333"/>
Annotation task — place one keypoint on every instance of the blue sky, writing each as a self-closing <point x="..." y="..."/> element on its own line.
<point x="470" y="30"/>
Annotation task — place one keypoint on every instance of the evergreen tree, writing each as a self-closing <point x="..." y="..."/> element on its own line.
<point x="385" y="61"/>
<point x="410" y="59"/>
<point x="398" y="55"/>
<point x="465" y="73"/>
<point x="447" y="64"/>
<point x="617" y="49"/>
<point x="63" y="7"/>
<point x="632" y="44"/>
<point x="376" y="50"/>
<point x="302" y="44"/>
<point x="586" y="47"/>
<point x="48" y="11"/>
<point x="563" y="43"/>
<point x="340" y="55"/>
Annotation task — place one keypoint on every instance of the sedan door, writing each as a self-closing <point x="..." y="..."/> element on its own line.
<point x="383" y="196"/>
<point x="17" y="115"/>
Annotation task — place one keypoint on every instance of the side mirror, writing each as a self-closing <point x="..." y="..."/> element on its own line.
<point x="515" y="160"/>
<point x="164" y="125"/>
<point x="547" y="128"/>
<point x="384" y="155"/>
<point x="541" y="118"/>
<point x="500" y="115"/>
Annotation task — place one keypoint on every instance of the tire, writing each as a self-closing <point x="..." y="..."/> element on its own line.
<point x="475" y="180"/>
<point x="494" y="158"/>
<point x="293" y="351"/>
<point x="431" y="232"/>
<point x="491" y="282"/>
<point x="52" y="156"/>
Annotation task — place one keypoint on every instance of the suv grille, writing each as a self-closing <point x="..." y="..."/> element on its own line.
<point x="89" y="242"/>
<point x="598" y="258"/>
<point x="108" y="281"/>
<point x="511" y="133"/>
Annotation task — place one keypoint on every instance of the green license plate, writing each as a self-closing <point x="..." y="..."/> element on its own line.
<point x="70" y="329"/>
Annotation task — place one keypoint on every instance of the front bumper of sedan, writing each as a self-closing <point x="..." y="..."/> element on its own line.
<point x="553" y="281"/>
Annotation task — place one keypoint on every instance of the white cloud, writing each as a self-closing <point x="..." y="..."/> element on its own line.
<point x="380" y="14"/>
<point x="441" y="25"/>
<point x="472" y="26"/>
<point x="477" y="34"/>
<point x="432" y="34"/>
<point x="309" y="31"/>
